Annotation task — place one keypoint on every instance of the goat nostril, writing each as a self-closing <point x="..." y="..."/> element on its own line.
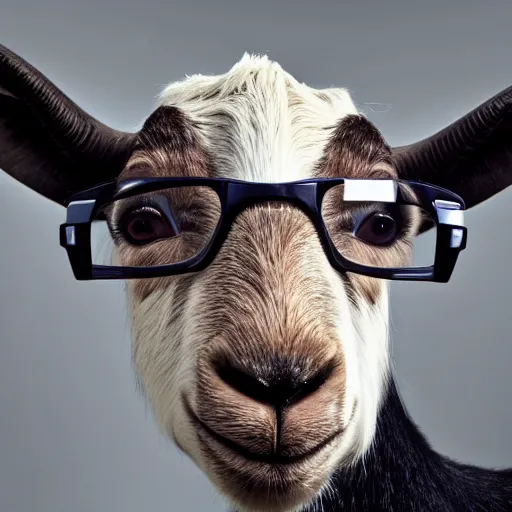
<point x="243" y="382"/>
<point x="280" y="388"/>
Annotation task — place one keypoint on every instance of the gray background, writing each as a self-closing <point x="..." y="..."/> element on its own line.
<point x="74" y="434"/>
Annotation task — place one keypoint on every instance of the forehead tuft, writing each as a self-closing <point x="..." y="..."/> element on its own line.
<point x="257" y="122"/>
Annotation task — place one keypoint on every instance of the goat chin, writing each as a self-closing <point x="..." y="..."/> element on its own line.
<point x="254" y="482"/>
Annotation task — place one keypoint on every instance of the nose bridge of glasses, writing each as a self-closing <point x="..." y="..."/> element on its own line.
<point x="243" y="195"/>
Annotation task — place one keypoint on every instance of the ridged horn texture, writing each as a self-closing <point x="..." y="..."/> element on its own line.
<point x="47" y="141"/>
<point x="472" y="156"/>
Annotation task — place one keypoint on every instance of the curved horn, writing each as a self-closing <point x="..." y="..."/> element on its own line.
<point x="47" y="141"/>
<point x="472" y="156"/>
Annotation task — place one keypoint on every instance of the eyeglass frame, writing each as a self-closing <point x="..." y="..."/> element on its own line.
<point x="445" y="207"/>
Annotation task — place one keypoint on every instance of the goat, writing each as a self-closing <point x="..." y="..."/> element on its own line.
<point x="264" y="355"/>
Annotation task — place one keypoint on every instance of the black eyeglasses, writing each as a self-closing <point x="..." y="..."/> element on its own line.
<point x="158" y="227"/>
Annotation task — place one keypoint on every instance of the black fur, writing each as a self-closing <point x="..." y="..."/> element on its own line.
<point x="402" y="473"/>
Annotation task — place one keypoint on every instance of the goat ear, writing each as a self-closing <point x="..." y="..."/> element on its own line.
<point x="49" y="143"/>
<point x="471" y="157"/>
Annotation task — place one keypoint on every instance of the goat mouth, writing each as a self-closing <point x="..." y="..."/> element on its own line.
<point x="274" y="459"/>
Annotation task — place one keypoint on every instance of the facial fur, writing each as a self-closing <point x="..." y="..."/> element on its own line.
<point x="270" y="306"/>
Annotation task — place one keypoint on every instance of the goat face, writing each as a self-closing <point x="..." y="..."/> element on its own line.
<point x="266" y="367"/>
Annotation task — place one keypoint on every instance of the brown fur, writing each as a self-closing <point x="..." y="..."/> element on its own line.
<point x="259" y="309"/>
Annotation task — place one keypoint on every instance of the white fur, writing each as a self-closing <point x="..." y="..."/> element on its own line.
<point x="259" y="124"/>
<point x="274" y="131"/>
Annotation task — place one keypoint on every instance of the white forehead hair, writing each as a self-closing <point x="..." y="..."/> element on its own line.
<point x="258" y="122"/>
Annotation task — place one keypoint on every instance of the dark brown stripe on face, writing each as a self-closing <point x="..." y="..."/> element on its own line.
<point x="356" y="150"/>
<point x="167" y="128"/>
<point x="358" y="286"/>
<point x="168" y="145"/>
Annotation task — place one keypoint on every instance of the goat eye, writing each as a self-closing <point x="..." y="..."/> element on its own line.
<point x="377" y="229"/>
<point x="144" y="226"/>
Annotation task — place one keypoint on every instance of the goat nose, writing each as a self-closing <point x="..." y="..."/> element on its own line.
<point x="279" y="385"/>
